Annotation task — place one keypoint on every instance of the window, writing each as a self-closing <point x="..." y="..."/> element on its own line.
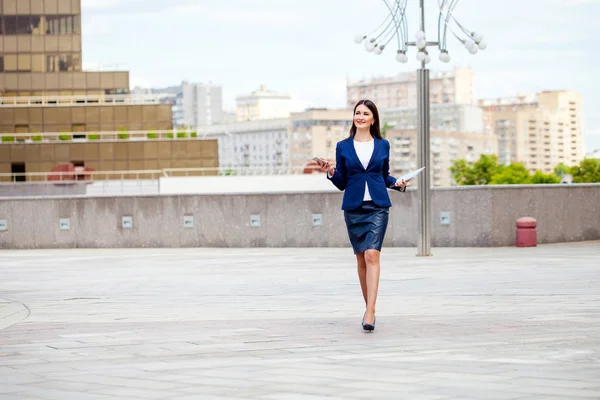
<point x="62" y="24"/>
<point x="18" y="168"/>
<point x="1" y="63"/>
<point x="23" y="25"/>
<point x="20" y="25"/>
<point x="35" y="24"/>
<point x="63" y="62"/>
<point x="10" y="25"/>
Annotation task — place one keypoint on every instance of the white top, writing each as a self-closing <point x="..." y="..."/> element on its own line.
<point x="364" y="150"/>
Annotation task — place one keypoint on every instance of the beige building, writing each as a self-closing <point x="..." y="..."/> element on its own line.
<point x="40" y="52"/>
<point x="93" y="117"/>
<point x="263" y="104"/>
<point x="455" y="87"/>
<point x="315" y="133"/>
<point x="445" y="148"/>
<point x="112" y="155"/>
<point x="541" y="130"/>
<point x="52" y="112"/>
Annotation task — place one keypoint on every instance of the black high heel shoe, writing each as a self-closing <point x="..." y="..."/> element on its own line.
<point x="368" y="327"/>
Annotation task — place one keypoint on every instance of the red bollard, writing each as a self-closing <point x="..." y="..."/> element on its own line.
<point x="526" y="232"/>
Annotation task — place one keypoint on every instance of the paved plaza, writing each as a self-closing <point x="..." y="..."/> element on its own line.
<point x="477" y="323"/>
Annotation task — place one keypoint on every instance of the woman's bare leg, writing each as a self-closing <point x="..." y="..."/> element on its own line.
<point x="362" y="273"/>
<point x="372" y="261"/>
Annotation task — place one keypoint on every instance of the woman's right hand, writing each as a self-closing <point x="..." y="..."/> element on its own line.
<point x="326" y="167"/>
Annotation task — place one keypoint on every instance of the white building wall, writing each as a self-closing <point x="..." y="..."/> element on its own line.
<point x="261" y="143"/>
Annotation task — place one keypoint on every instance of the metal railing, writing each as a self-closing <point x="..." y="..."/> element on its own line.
<point x="66" y="177"/>
<point x="81" y="100"/>
<point x="120" y="135"/>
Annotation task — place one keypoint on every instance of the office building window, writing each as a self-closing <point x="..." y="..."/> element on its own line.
<point x="20" y="25"/>
<point x="62" y="24"/>
<point x="1" y="63"/>
<point x="63" y="62"/>
<point x="35" y="25"/>
<point x="10" y="25"/>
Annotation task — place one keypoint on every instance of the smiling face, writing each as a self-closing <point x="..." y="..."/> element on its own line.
<point x="363" y="117"/>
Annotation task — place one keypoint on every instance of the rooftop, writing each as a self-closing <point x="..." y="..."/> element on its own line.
<point x="503" y="323"/>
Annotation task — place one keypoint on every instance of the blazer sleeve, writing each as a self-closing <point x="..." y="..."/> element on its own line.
<point x="340" y="176"/>
<point x="385" y="171"/>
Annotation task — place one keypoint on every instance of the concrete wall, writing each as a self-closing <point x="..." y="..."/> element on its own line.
<point x="479" y="216"/>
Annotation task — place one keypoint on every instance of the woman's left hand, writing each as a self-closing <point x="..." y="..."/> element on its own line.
<point x="401" y="184"/>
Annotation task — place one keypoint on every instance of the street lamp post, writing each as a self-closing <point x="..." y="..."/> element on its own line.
<point x="396" y="25"/>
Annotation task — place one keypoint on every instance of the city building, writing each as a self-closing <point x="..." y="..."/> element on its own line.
<point x="261" y="143"/>
<point x="315" y="132"/>
<point x="40" y="52"/>
<point x="454" y="87"/>
<point x="445" y="148"/>
<point x="443" y="117"/>
<point x="193" y="104"/>
<point x="263" y="104"/>
<point x="52" y="112"/>
<point x="540" y="130"/>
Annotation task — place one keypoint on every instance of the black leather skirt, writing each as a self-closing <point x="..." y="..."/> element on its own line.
<point x="366" y="226"/>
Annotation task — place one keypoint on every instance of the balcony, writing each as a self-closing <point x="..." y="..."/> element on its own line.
<point x="104" y="136"/>
<point x="87" y="100"/>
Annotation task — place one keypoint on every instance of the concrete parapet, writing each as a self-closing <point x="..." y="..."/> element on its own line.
<point x="478" y="216"/>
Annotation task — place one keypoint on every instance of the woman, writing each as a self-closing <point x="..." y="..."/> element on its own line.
<point x="362" y="172"/>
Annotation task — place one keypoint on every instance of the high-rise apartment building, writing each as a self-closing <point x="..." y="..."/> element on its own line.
<point x="455" y="87"/>
<point x="445" y="148"/>
<point x="202" y="104"/>
<point x="443" y="117"/>
<point x="193" y="104"/>
<point x="263" y="104"/>
<point x="541" y="130"/>
<point x="315" y="133"/>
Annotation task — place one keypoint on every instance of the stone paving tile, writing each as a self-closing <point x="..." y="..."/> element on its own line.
<point x="500" y="323"/>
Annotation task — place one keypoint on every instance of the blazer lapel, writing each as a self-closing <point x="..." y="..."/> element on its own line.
<point x="353" y="154"/>
<point x="376" y="146"/>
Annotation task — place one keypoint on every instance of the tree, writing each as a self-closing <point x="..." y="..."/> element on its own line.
<point x="540" y="177"/>
<point x="513" y="174"/>
<point x="480" y="173"/>
<point x="561" y="169"/>
<point x="385" y="128"/>
<point x="587" y="171"/>
<point x="487" y="171"/>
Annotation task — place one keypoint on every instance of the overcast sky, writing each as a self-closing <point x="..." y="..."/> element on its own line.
<point x="305" y="47"/>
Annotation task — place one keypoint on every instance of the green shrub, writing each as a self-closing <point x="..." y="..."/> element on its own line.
<point x="37" y="138"/>
<point x="193" y="134"/>
<point x="64" y="137"/>
<point x="93" y="136"/>
<point x="152" y="135"/>
<point x="8" y="139"/>
<point x="122" y="133"/>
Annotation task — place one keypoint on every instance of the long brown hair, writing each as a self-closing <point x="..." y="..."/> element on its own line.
<point x="374" y="129"/>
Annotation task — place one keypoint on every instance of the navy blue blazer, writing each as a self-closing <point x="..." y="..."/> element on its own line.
<point x="350" y="175"/>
